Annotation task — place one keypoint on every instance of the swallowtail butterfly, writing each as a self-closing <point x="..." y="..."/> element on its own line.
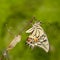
<point x="37" y="37"/>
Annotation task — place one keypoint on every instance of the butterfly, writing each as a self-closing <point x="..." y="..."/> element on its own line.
<point x="37" y="37"/>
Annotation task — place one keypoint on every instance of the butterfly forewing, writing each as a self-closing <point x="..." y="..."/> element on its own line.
<point x="29" y="30"/>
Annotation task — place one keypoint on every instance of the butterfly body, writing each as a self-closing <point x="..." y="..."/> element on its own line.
<point x="37" y="37"/>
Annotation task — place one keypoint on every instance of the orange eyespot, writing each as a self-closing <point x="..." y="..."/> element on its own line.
<point x="29" y="39"/>
<point x="35" y="39"/>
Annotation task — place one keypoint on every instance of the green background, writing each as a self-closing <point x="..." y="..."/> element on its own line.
<point x="16" y="14"/>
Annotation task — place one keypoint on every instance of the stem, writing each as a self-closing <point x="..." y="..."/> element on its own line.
<point x="27" y="25"/>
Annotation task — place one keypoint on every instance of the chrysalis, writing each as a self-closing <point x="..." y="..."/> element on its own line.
<point x="14" y="42"/>
<point x="37" y="37"/>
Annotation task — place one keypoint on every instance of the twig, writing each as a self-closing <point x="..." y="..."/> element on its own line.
<point x="14" y="41"/>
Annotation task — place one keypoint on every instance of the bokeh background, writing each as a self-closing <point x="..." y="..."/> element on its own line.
<point x="15" y="16"/>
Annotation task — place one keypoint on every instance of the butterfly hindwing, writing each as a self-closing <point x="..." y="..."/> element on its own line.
<point x="44" y="42"/>
<point x="42" y="39"/>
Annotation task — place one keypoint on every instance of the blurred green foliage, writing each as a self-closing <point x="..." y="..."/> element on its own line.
<point x="16" y="14"/>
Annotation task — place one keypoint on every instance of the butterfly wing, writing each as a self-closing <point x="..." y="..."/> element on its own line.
<point x="29" y="30"/>
<point x="43" y="41"/>
<point x="38" y="32"/>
